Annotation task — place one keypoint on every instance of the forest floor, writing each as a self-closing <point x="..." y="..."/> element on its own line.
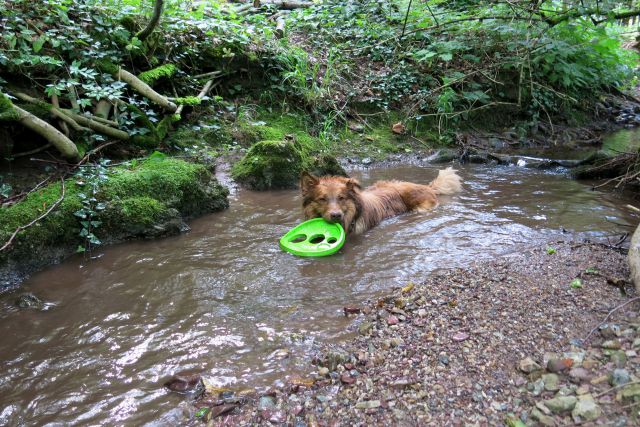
<point x="503" y="342"/>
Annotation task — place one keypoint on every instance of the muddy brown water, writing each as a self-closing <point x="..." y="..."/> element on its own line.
<point x="223" y="299"/>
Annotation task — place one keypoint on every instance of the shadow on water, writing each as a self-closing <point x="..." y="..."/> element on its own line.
<point x="223" y="299"/>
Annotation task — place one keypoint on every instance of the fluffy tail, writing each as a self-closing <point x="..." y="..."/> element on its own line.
<point x="447" y="182"/>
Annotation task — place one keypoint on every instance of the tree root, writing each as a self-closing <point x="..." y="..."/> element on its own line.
<point x="64" y="145"/>
<point x="145" y="90"/>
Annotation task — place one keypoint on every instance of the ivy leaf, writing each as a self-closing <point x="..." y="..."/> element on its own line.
<point x="39" y="43"/>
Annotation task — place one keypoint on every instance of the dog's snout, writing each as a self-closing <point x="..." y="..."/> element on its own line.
<point x="336" y="215"/>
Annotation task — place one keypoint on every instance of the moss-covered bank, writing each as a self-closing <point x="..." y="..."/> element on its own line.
<point x="146" y="199"/>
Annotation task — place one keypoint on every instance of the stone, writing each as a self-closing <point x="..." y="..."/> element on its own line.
<point x="631" y="392"/>
<point x="609" y="330"/>
<point x="576" y="356"/>
<point x="636" y="343"/>
<point x="561" y="404"/>
<point x="551" y="382"/>
<point x="29" y="300"/>
<point x="586" y="409"/>
<point x="323" y="371"/>
<point x="528" y="365"/>
<point x="618" y="358"/>
<point x="579" y="375"/>
<point x="583" y="389"/>
<point x="543" y="419"/>
<point x="365" y="328"/>
<point x="559" y="365"/>
<point x="266" y="402"/>
<point x="368" y="404"/>
<point x="619" y="377"/>
<point x="611" y="345"/>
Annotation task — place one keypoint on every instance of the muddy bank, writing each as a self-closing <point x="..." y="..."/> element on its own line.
<point x="142" y="199"/>
<point x="471" y="346"/>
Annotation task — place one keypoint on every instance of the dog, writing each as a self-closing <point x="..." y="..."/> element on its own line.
<point x="343" y="200"/>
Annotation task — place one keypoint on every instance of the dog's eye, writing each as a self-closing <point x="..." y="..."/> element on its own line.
<point x="341" y="198"/>
<point x="322" y="199"/>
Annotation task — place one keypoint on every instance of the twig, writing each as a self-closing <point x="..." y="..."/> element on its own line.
<point x="34" y="151"/>
<point x="609" y="316"/>
<point x="24" y="227"/>
<point x="615" y="388"/>
<point x="9" y="200"/>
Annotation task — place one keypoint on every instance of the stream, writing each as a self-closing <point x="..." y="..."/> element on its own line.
<point x="225" y="301"/>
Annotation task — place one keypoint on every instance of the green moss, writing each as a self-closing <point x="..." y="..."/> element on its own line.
<point x="136" y="199"/>
<point x="188" y="100"/>
<point x="181" y="185"/>
<point x="142" y="210"/>
<point x="271" y="165"/>
<point x="152" y="76"/>
<point x="7" y="112"/>
<point x="59" y="227"/>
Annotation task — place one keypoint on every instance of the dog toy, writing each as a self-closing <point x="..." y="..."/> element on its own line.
<point x="315" y="237"/>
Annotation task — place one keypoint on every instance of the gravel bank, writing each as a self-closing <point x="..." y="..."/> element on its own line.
<point x="494" y="344"/>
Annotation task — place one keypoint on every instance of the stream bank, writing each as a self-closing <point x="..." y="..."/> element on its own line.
<point x="471" y="346"/>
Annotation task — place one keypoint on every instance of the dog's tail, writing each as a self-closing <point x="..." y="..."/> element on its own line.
<point x="447" y="182"/>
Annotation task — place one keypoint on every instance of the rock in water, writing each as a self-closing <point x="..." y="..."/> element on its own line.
<point x="183" y="382"/>
<point x="29" y="301"/>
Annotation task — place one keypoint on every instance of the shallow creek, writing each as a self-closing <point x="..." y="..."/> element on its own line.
<point x="224" y="300"/>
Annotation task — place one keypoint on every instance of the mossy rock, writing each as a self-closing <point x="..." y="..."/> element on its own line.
<point x="271" y="165"/>
<point x="325" y="164"/>
<point x="148" y="199"/>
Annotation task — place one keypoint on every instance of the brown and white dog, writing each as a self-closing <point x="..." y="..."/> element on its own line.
<point x="343" y="200"/>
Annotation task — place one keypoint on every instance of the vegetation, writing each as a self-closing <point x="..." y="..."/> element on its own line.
<point x="89" y="81"/>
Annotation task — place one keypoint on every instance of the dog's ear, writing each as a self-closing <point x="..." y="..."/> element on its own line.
<point x="353" y="184"/>
<point x="307" y="182"/>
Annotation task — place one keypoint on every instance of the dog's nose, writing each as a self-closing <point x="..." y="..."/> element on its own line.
<point x="336" y="216"/>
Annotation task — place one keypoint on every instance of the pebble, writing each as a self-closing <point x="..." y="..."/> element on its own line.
<point x="543" y="419"/>
<point x="460" y="336"/>
<point x="392" y="320"/>
<point x="365" y="328"/>
<point x="618" y="358"/>
<point x="323" y="371"/>
<point x="619" y="377"/>
<point x="609" y="330"/>
<point x="528" y="365"/>
<point x="579" y="375"/>
<point x="611" y="345"/>
<point x="586" y="409"/>
<point x="368" y="404"/>
<point x="559" y="365"/>
<point x="266" y="402"/>
<point x="561" y="404"/>
<point x="551" y="382"/>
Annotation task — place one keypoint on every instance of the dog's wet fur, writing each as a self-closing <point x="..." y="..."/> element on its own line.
<point x="343" y="200"/>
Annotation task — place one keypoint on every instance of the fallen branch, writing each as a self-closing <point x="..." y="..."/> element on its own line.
<point x="145" y="90"/>
<point x="24" y="227"/>
<point x="205" y="90"/>
<point x="54" y="110"/>
<point x="608" y="317"/>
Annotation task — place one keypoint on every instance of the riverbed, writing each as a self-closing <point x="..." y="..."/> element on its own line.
<point x="225" y="301"/>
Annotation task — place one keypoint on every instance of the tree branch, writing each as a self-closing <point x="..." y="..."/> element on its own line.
<point x="155" y="19"/>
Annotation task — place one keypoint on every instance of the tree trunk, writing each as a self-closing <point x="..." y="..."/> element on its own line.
<point x="155" y="19"/>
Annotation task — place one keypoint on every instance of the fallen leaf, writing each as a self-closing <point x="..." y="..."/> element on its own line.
<point x="398" y="128"/>
<point x="408" y="288"/>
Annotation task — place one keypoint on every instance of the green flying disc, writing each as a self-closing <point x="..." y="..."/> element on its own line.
<point x="315" y="237"/>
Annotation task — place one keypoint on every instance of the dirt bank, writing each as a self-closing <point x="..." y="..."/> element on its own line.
<point x="454" y="349"/>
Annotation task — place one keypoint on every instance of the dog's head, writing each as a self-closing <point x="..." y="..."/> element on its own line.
<point x="334" y="198"/>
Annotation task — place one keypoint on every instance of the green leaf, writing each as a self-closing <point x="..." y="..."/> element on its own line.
<point x="39" y="43"/>
<point x="80" y="249"/>
<point x="157" y="156"/>
<point x="551" y="251"/>
<point x="201" y="412"/>
<point x="446" y="56"/>
<point x="576" y="283"/>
